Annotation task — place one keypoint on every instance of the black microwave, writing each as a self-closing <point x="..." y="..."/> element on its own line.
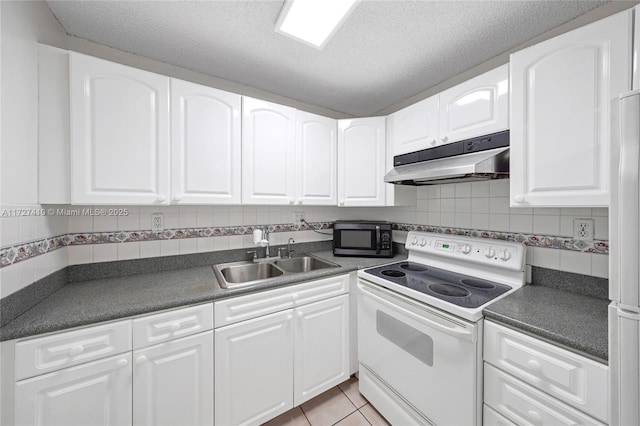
<point x="362" y="238"/>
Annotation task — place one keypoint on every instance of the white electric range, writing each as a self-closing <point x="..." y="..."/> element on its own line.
<point x="420" y="326"/>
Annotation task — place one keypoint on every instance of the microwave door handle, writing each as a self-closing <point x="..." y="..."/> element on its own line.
<point x="378" y="243"/>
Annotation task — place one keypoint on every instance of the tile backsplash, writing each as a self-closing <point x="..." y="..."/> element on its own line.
<point x="460" y="207"/>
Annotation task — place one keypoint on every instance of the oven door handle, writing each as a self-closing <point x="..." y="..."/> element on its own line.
<point x="378" y="242"/>
<point x="383" y="298"/>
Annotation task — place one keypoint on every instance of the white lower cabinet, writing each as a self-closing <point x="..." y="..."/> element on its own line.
<point x="491" y="418"/>
<point x="321" y="347"/>
<point x="96" y="393"/>
<point x="270" y="363"/>
<point x="254" y="369"/>
<point x="173" y="382"/>
<point x="90" y="376"/>
<point x="529" y="381"/>
<point x="525" y="405"/>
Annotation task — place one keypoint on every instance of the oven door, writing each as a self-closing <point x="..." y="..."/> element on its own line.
<point x="425" y="360"/>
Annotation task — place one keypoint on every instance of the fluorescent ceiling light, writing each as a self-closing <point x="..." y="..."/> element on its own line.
<point x="313" y="21"/>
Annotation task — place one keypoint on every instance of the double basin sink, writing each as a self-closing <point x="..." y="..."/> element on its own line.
<point x="242" y="273"/>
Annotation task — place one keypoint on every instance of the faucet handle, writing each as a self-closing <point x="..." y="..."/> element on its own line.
<point x="254" y="253"/>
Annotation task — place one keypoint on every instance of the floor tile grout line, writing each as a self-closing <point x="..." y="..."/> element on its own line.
<point x="351" y="402"/>
<point x="305" y="415"/>
<point x="343" y="417"/>
<point x="365" y="417"/>
<point x="357" y="408"/>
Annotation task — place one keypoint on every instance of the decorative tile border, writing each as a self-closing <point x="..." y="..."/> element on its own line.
<point x="18" y="253"/>
<point x="13" y="254"/>
<point x="545" y="241"/>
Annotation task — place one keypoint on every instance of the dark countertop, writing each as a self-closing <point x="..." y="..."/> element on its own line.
<point x="575" y="321"/>
<point x="578" y="322"/>
<point x="90" y="302"/>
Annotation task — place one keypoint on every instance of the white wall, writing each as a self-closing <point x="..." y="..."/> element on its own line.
<point x="23" y="25"/>
<point x="139" y="218"/>
<point x="485" y="206"/>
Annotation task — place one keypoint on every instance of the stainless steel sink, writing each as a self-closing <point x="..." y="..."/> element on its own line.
<point x="239" y="273"/>
<point x="303" y="264"/>
<point x="242" y="273"/>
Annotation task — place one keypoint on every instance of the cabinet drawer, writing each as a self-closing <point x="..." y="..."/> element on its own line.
<point x="525" y="405"/>
<point x="154" y="329"/>
<point x="46" y="354"/>
<point x="491" y="418"/>
<point x="241" y="308"/>
<point x="574" y="379"/>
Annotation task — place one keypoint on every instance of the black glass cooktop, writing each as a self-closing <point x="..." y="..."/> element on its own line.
<point x="459" y="289"/>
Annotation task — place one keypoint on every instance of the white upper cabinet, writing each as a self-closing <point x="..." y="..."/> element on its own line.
<point x="205" y="145"/>
<point x="119" y="133"/>
<point x="477" y="107"/>
<point x="316" y="159"/>
<point x="268" y="152"/>
<point x="414" y="127"/>
<point x="561" y="91"/>
<point x="361" y="162"/>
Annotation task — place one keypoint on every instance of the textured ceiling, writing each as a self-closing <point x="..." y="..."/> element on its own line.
<point x="385" y="52"/>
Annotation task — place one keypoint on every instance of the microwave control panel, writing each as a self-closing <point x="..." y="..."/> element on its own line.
<point x="385" y="238"/>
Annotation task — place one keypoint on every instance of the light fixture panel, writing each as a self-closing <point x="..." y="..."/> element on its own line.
<point x="313" y="22"/>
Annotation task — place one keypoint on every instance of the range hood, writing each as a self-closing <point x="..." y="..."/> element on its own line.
<point x="481" y="158"/>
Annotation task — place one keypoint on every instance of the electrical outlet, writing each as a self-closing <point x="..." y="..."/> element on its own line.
<point x="583" y="229"/>
<point x="298" y="217"/>
<point x="157" y="222"/>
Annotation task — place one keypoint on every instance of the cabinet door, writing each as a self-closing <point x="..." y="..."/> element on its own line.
<point x="268" y="152"/>
<point x="119" y="133"/>
<point x="524" y="405"/>
<point x="97" y="393"/>
<point x="321" y="347"/>
<point x="254" y="369"/>
<point x="561" y="91"/>
<point x="205" y="145"/>
<point x="361" y="155"/>
<point x="173" y="382"/>
<point x="413" y="128"/>
<point x="477" y="107"/>
<point x="564" y="375"/>
<point x="316" y="159"/>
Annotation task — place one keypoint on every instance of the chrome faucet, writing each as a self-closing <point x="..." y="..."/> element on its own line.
<point x="265" y="237"/>
<point x="289" y="249"/>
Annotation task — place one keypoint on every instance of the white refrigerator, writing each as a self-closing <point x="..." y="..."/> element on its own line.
<point x="624" y="262"/>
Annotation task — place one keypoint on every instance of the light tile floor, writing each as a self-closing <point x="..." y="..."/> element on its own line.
<point x="342" y="405"/>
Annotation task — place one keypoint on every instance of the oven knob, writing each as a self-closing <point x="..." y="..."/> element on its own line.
<point x="415" y="241"/>
<point x="423" y="243"/>
<point x="466" y="249"/>
<point x="490" y="252"/>
<point x="505" y="255"/>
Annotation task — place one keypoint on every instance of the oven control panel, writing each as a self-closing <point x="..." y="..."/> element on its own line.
<point x="499" y="253"/>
